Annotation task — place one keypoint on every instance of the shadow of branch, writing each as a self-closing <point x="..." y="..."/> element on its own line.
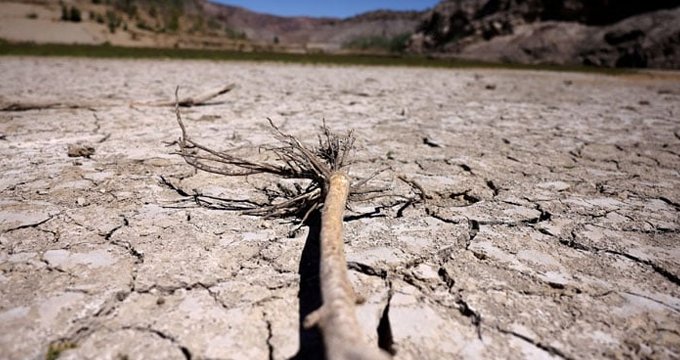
<point x="309" y="295"/>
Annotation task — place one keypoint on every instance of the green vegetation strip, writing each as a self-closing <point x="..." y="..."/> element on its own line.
<point x="108" y="51"/>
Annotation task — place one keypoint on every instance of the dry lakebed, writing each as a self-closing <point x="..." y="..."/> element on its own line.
<point x="548" y="224"/>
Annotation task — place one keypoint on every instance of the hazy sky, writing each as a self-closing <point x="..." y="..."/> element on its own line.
<point x="331" y="8"/>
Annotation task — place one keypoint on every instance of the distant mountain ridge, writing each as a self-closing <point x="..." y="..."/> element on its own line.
<point x="568" y="32"/>
<point x="307" y="30"/>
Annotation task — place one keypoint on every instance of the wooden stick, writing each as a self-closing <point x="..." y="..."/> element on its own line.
<point x="191" y="101"/>
<point x="185" y="102"/>
<point x="336" y="318"/>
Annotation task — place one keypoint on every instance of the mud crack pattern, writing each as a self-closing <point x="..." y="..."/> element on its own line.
<point x="551" y="226"/>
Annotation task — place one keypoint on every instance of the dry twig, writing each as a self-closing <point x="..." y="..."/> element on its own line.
<point x="329" y="189"/>
<point x="200" y="100"/>
<point x="43" y="105"/>
<point x="190" y="101"/>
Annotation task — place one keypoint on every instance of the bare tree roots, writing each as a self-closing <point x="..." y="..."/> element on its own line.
<point x="329" y="190"/>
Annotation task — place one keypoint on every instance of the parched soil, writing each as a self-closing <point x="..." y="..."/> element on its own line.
<point x="550" y="226"/>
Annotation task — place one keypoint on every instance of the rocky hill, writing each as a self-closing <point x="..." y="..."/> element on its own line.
<point x="196" y="24"/>
<point x="566" y="32"/>
<point x="573" y="32"/>
<point x="322" y="33"/>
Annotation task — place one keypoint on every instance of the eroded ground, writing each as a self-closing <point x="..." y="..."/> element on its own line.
<point x="551" y="226"/>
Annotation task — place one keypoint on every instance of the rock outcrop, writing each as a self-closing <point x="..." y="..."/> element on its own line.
<point x="566" y="32"/>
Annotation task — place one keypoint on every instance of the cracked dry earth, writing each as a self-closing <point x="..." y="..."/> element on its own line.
<point x="551" y="227"/>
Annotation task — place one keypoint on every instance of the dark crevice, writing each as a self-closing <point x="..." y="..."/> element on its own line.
<point x="373" y="214"/>
<point x="109" y="234"/>
<point x="547" y="348"/>
<point x="656" y="267"/>
<point x="270" y="346"/>
<point x="415" y="282"/>
<point x="474" y="316"/>
<point x="656" y="161"/>
<point x="32" y="225"/>
<point x="654" y="229"/>
<point x="435" y="215"/>
<point x="185" y="351"/>
<point x="615" y="162"/>
<point x="429" y="142"/>
<point x="400" y="211"/>
<point x="654" y="300"/>
<point x="385" y="338"/>
<point x="572" y="243"/>
<point x="670" y="202"/>
<point x="466" y="168"/>
<point x="367" y="269"/>
<point x="172" y="186"/>
<point x="110" y="305"/>
<point x="446" y="277"/>
<point x="544" y="216"/>
<point x="139" y="256"/>
<point x="545" y="232"/>
<point x="469" y="199"/>
<point x="53" y="268"/>
<point x="493" y="187"/>
<point x="474" y="230"/>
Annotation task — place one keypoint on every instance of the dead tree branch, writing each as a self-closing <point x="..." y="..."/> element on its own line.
<point x="190" y="101"/>
<point x="329" y="190"/>
<point x="199" y="100"/>
<point x="43" y="105"/>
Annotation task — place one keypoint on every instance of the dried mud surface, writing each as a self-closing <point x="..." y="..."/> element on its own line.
<point x="551" y="227"/>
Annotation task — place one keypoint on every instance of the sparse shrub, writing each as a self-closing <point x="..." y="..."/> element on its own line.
<point x="126" y="6"/>
<point x="395" y="44"/>
<point x="213" y="24"/>
<point x="399" y="43"/>
<point x="173" y="22"/>
<point x="141" y="24"/>
<point x="55" y="349"/>
<point x="233" y="34"/>
<point x="64" y="13"/>
<point x="31" y="15"/>
<point x="70" y="14"/>
<point x="74" y="15"/>
<point x="96" y="2"/>
<point x="113" y="21"/>
<point x="198" y="25"/>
